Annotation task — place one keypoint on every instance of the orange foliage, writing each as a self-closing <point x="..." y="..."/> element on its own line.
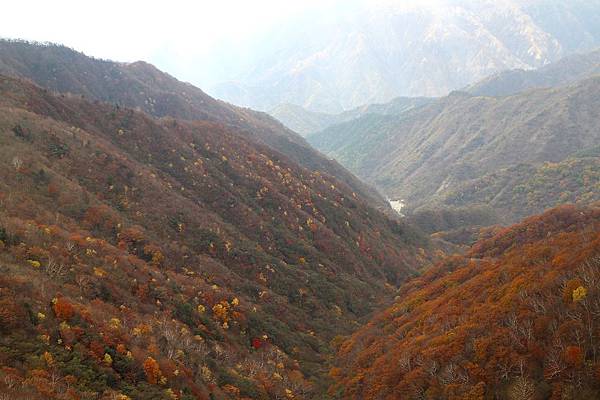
<point x="152" y="370"/>
<point x="502" y="315"/>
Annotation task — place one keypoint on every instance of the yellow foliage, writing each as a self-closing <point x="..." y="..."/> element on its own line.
<point x="235" y="301"/>
<point x="114" y="323"/>
<point x="157" y="258"/>
<point x="48" y="358"/>
<point x="34" y="264"/>
<point x="170" y="394"/>
<point x="201" y="309"/>
<point x="108" y="359"/>
<point x="206" y="374"/>
<point x="579" y="293"/>
<point x="99" y="272"/>
<point x="41" y="316"/>
<point x="221" y="310"/>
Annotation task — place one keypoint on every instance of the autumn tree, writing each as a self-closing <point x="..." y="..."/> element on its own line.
<point x="152" y="370"/>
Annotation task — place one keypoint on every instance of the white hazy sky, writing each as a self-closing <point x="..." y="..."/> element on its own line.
<point x="176" y="35"/>
<point x="199" y="41"/>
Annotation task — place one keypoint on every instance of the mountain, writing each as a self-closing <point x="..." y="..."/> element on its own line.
<point x="560" y="73"/>
<point x="513" y="318"/>
<point x="141" y="86"/>
<point x="426" y="154"/>
<point x="373" y="51"/>
<point x="307" y="122"/>
<point x="525" y="189"/>
<point x="163" y="258"/>
<point x="301" y="120"/>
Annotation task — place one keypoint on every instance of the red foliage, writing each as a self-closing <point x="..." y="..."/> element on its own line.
<point x="574" y="356"/>
<point x="63" y="309"/>
<point x="257" y="343"/>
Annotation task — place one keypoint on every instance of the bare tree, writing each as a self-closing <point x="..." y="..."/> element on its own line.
<point x="17" y="163"/>
<point x="54" y="269"/>
<point x="521" y="389"/>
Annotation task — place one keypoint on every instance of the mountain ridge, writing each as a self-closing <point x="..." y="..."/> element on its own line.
<point x="142" y="86"/>
<point x="142" y="244"/>
<point x="381" y="50"/>
<point x="425" y="154"/>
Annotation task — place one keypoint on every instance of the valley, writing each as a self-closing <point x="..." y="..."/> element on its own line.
<point x="385" y="201"/>
<point x="461" y="150"/>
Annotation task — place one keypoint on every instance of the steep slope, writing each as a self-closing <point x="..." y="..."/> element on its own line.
<point x="514" y="318"/>
<point x="307" y="122"/>
<point x="428" y="153"/>
<point x="560" y="73"/>
<point x="141" y="86"/>
<point x="373" y="51"/>
<point x="523" y="190"/>
<point x="162" y="258"/>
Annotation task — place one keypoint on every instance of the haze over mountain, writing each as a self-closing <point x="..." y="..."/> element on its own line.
<point x="157" y="243"/>
<point x="567" y="70"/>
<point x="427" y="154"/>
<point x="371" y="52"/>
<point x="307" y="122"/>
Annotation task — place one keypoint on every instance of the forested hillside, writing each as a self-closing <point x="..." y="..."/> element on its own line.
<point x="524" y="190"/>
<point x="429" y="153"/>
<point x="515" y="318"/>
<point x="143" y="87"/>
<point x="157" y="243"/>
<point x="159" y="259"/>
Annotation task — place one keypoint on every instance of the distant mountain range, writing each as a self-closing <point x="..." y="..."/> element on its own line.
<point x="307" y="122"/>
<point x="385" y="49"/>
<point x="568" y="70"/>
<point x="429" y="153"/>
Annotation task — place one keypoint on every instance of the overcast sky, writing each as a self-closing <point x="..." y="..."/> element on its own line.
<point x="175" y="35"/>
